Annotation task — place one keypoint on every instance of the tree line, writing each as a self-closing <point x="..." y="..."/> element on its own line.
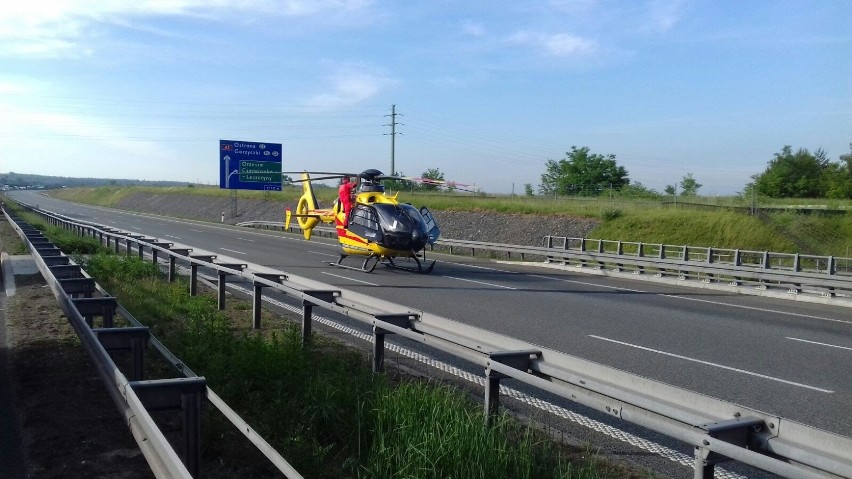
<point x="789" y="174"/>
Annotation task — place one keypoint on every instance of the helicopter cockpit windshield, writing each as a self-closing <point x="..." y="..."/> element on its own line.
<point x="400" y="218"/>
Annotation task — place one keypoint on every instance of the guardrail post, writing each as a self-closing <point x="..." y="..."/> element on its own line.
<point x="184" y="394"/>
<point x="154" y="251"/>
<point x="519" y="360"/>
<point x="257" y="296"/>
<point x="797" y="266"/>
<point x="662" y="251"/>
<point x="398" y="320"/>
<point x="832" y="266"/>
<point x="685" y="255"/>
<point x="173" y="260"/>
<point x="710" y="254"/>
<point x="641" y="250"/>
<point x="583" y="245"/>
<point x="133" y="339"/>
<point x="619" y="249"/>
<point x="78" y="286"/>
<point x="57" y="260"/>
<point x="735" y="431"/>
<point x="193" y="271"/>
<point x="222" y="276"/>
<point x="65" y="271"/>
<point x="600" y="246"/>
<point x="326" y="296"/>
<point x="89" y="308"/>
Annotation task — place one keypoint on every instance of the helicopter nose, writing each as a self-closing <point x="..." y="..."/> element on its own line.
<point x="418" y="239"/>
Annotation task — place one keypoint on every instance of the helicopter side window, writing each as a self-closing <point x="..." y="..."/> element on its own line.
<point x="363" y="222"/>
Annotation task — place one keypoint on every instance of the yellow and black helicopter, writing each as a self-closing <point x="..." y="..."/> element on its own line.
<point x="378" y="227"/>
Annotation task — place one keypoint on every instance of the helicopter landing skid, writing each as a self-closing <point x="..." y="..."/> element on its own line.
<point x="420" y="268"/>
<point x="370" y="263"/>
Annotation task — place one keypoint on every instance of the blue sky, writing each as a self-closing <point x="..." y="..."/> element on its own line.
<point x="486" y="91"/>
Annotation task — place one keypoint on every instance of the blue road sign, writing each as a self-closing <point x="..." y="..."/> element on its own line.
<point x="249" y="165"/>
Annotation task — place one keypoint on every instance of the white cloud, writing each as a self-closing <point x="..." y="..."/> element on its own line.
<point x="665" y="14"/>
<point x="349" y="85"/>
<point x="53" y="28"/>
<point x="560" y="44"/>
<point x="473" y="29"/>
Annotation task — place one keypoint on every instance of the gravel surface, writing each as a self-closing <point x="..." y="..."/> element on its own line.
<point x="518" y="229"/>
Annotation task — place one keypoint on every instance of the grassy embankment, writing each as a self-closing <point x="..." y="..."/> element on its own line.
<point x="320" y="406"/>
<point x="649" y="221"/>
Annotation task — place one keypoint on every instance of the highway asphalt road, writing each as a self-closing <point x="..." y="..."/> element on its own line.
<point x="783" y="357"/>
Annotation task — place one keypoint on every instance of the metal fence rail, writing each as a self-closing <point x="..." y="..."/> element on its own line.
<point x="828" y="277"/>
<point x="718" y="430"/>
<point x="76" y="293"/>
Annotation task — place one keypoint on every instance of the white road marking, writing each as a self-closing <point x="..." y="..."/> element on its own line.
<point x="173" y="237"/>
<point x="673" y="296"/>
<point x="487" y="268"/>
<point x="197" y="231"/>
<point x="350" y="279"/>
<point x="245" y="239"/>
<point x="478" y="282"/>
<point x="820" y="344"/>
<point x="324" y="254"/>
<point x="232" y="251"/>
<point x="713" y="364"/>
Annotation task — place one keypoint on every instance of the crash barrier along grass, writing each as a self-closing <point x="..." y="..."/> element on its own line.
<point x="718" y="430"/>
<point x="321" y="406"/>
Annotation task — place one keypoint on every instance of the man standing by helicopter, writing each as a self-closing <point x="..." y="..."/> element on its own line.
<point x="345" y="192"/>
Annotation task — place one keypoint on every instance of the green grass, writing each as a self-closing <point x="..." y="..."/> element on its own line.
<point x="698" y="228"/>
<point x="694" y="221"/>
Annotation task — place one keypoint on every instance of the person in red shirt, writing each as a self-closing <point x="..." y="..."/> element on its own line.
<point x="345" y="193"/>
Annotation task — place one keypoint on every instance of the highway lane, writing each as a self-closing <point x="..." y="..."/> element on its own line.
<point x="782" y="357"/>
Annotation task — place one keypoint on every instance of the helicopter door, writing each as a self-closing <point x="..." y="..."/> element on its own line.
<point x="364" y="223"/>
<point x="431" y="227"/>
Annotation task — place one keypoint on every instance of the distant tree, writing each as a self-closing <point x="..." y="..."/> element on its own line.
<point x="397" y="184"/>
<point x="847" y="159"/>
<point x="434" y="174"/>
<point x="670" y="189"/>
<point x="528" y="189"/>
<point x="582" y="172"/>
<point x="689" y="186"/>
<point x="794" y="175"/>
<point x="638" y="190"/>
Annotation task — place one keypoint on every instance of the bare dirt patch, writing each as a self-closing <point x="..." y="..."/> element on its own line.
<point x="67" y="424"/>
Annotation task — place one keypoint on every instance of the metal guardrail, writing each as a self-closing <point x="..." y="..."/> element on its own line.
<point x="75" y="291"/>
<point x="717" y="429"/>
<point x="827" y="276"/>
